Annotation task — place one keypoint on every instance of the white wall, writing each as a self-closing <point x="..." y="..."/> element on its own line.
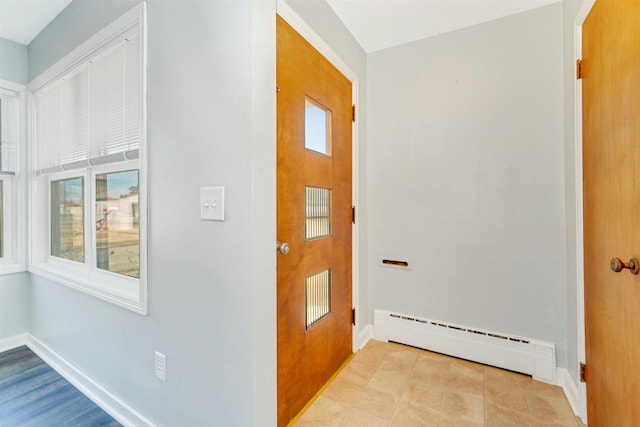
<point x="70" y="28"/>
<point x="14" y="305"/>
<point x="13" y="61"/>
<point x="211" y="285"/>
<point x="466" y="179"/>
<point x="324" y="21"/>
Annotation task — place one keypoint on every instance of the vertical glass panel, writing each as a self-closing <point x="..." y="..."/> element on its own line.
<point x="317" y="297"/>
<point x="118" y="223"/>
<point x="318" y="212"/>
<point x="317" y="127"/>
<point x="67" y="219"/>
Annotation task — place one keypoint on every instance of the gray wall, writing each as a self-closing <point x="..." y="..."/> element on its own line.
<point x="570" y="10"/>
<point x="13" y="61"/>
<point x="465" y="171"/>
<point x="324" y="21"/>
<point x="14" y="288"/>
<point x="14" y="305"/>
<point x="78" y="22"/>
<point x="211" y="284"/>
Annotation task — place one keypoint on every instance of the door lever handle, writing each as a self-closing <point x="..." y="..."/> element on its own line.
<point x="633" y="265"/>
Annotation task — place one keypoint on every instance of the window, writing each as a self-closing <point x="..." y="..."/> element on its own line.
<point x="67" y="219"/>
<point x="317" y="127"/>
<point x="118" y="223"/>
<point x="88" y="158"/>
<point x="12" y="233"/>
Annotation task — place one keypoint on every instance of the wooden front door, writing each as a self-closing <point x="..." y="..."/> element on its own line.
<point x="314" y="119"/>
<point x="611" y="167"/>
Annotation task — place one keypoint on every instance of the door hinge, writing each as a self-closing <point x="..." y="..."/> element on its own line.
<point x="578" y="69"/>
<point x="583" y="373"/>
<point x="353" y="316"/>
<point x="353" y="113"/>
<point x="353" y="214"/>
<point x="277" y="89"/>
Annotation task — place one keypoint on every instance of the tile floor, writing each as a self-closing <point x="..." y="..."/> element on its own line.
<point x="388" y="384"/>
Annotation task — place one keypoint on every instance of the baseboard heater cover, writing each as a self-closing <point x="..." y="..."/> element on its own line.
<point x="525" y="355"/>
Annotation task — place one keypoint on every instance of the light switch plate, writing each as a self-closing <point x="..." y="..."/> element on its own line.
<point x="212" y="203"/>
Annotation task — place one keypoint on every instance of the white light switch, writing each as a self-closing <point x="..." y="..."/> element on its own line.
<point x="212" y="203"/>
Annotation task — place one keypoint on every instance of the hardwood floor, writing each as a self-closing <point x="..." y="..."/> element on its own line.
<point x="33" y="394"/>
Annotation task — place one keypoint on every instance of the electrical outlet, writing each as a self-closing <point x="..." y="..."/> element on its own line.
<point x="161" y="367"/>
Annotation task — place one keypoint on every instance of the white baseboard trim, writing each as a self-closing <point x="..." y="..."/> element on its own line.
<point x="570" y="390"/>
<point x="113" y="405"/>
<point x="364" y="336"/>
<point x="15" y="341"/>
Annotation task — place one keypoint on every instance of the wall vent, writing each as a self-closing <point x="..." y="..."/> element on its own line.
<point x="519" y="354"/>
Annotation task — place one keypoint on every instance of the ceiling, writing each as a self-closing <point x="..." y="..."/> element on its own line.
<point x="22" y="20"/>
<point x="380" y="24"/>
<point x="376" y="24"/>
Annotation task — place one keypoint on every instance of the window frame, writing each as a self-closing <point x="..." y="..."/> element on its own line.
<point x="124" y="291"/>
<point x="87" y="273"/>
<point x="14" y="234"/>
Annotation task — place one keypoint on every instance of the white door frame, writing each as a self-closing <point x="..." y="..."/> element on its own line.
<point x="292" y="18"/>
<point x="577" y="37"/>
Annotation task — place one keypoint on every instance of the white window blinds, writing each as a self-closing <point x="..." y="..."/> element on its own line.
<point x="8" y="131"/>
<point x="92" y="115"/>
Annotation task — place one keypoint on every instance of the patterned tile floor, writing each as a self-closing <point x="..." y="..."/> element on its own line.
<point x="388" y="384"/>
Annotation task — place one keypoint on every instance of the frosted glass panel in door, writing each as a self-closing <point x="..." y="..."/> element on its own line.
<point x="318" y="213"/>
<point x="317" y="297"/>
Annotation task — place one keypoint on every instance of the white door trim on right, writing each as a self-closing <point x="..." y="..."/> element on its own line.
<point x="583" y="12"/>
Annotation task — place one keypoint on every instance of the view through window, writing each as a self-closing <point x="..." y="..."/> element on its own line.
<point x="118" y="223"/>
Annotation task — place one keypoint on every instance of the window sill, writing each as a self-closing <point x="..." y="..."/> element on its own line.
<point x="123" y="292"/>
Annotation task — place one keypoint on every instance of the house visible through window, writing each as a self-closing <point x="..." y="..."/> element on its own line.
<point x="118" y="223"/>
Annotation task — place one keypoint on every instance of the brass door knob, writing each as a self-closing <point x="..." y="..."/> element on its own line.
<point x="633" y="265"/>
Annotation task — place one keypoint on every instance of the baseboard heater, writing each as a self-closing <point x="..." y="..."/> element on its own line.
<point x="528" y="356"/>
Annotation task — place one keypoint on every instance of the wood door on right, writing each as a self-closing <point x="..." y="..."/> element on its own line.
<point x="611" y="174"/>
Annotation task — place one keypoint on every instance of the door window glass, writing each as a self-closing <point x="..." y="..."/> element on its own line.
<point x="317" y="127"/>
